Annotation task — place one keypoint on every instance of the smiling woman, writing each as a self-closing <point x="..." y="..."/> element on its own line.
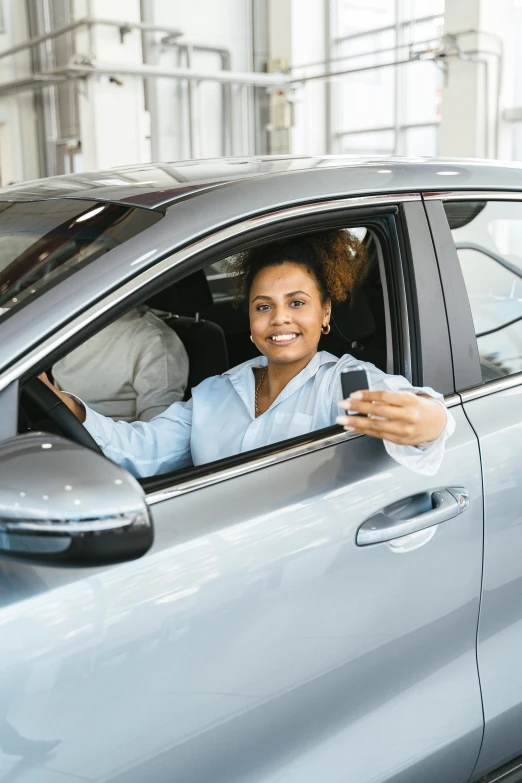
<point x="292" y="388"/>
<point x="290" y="287"/>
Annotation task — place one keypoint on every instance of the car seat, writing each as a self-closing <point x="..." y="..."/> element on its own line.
<point x="358" y="326"/>
<point x="180" y="305"/>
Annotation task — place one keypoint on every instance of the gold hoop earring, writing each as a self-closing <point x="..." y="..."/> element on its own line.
<point x="251" y="338"/>
<point x="325" y="329"/>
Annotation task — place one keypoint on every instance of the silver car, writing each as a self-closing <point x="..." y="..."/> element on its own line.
<point x="309" y="611"/>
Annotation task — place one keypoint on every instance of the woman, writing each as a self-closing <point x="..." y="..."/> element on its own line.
<point x="290" y="390"/>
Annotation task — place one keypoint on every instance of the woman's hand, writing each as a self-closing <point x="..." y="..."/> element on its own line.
<point x="78" y="410"/>
<point x="403" y="417"/>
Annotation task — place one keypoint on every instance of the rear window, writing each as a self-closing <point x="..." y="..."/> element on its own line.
<point x="43" y="242"/>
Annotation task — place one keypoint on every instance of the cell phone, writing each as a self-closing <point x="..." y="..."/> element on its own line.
<point x="354" y="379"/>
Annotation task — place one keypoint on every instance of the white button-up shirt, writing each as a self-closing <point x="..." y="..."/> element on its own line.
<point x="133" y="369"/>
<point x="219" y="420"/>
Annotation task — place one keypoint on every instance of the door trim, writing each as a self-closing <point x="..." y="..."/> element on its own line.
<point x="464" y="348"/>
<point x="473" y="195"/>
<point x="508" y="773"/>
<point x="491" y="387"/>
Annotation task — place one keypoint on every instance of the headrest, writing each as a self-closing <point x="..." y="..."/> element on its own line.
<point x="186" y="297"/>
<point x="352" y="322"/>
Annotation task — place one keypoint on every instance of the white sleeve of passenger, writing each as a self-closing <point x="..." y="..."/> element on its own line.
<point x="144" y="448"/>
<point x="426" y="458"/>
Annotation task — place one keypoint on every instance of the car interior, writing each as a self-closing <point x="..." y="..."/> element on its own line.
<point x="202" y="310"/>
<point x="214" y="329"/>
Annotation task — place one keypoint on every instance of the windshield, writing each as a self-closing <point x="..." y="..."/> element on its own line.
<point x="43" y="242"/>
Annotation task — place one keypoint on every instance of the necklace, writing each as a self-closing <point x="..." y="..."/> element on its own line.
<point x="263" y="375"/>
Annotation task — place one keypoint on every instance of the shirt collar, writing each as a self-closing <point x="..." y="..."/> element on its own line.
<point x="243" y="381"/>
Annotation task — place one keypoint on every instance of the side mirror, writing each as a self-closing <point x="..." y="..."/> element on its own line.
<point x="61" y="501"/>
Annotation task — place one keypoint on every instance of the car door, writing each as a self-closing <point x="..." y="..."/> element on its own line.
<point x="267" y="635"/>
<point x="481" y="265"/>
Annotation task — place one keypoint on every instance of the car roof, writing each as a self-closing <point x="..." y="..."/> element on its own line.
<point x="158" y="185"/>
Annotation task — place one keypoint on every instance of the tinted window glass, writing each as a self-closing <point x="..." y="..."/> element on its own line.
<point x="43" y="242"/>
<point x="488" y="238"/>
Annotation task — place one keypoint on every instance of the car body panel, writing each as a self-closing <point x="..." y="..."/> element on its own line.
<point x="158" y="185"/>
<point x="494" y="410"/>
<point x="497" y="420"/>
<point x="256" y="641"/>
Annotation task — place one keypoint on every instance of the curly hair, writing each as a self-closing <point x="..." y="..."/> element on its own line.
<point x="335" y="258"/>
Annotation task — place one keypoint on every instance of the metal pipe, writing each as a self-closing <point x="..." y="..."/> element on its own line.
<point x="378" y="129"/>
<point x="226" y="101"/>
<point x="328" y="102"/>
<point x="345" y="72"/>
<point x="148" y="71"/>
<point x="375" y="30"/>
<point x="374" y="52"/>
<point x="191" y="101"/>
<point x="74" y="72"/>
<point x="396" y="74"/>
<point x="88" y="22"/>
<point x="151" y="100"/>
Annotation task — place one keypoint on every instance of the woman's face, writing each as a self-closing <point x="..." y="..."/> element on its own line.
<point x="286" y="313"/>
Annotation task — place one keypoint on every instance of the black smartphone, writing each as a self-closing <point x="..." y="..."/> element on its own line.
<point x="354" y="379"/>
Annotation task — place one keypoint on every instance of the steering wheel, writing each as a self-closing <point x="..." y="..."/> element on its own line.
<point x="53" y="408"/>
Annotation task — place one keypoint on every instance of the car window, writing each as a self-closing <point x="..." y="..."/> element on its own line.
<point x="135" y="368"/>
<point x="42" y="242"/>
<point x="488" y="239"/>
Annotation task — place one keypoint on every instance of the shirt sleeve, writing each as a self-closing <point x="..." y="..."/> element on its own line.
<point x="144" y="448"/>
<point x="160" y="373"/>
<point x="426" y="458"/>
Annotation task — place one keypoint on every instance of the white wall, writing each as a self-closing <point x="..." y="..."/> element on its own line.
<point x="18" y="138"/>
<point x="114" y="126"/>
<point x="469" y="115"/>
<point x="308" y="46"/>
<point x="226" y="23"/>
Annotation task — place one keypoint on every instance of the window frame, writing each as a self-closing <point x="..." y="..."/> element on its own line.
<point x="293" y="220"/>
<point x="464" y="344"/>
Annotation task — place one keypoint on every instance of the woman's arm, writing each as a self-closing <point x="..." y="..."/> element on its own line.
<point x="143" y="448"/>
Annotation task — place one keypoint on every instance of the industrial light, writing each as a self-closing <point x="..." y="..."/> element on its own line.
<point x="447" y="173"/>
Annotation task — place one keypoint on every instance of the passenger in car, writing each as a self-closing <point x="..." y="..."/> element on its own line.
<point x="132" y="370"/>
<point x="291" y="389"/>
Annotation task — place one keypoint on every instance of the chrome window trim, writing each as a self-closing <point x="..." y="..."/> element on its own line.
<point x="491" y="387"/>
<point x="451" y="400"/>
<point x="284" y="454"/>
<point x="190" y="485"/>
<point x="479" y="195"/>
<point x="25" y="364"/>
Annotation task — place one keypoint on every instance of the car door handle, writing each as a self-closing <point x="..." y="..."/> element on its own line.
<point x="446" y="504"/>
